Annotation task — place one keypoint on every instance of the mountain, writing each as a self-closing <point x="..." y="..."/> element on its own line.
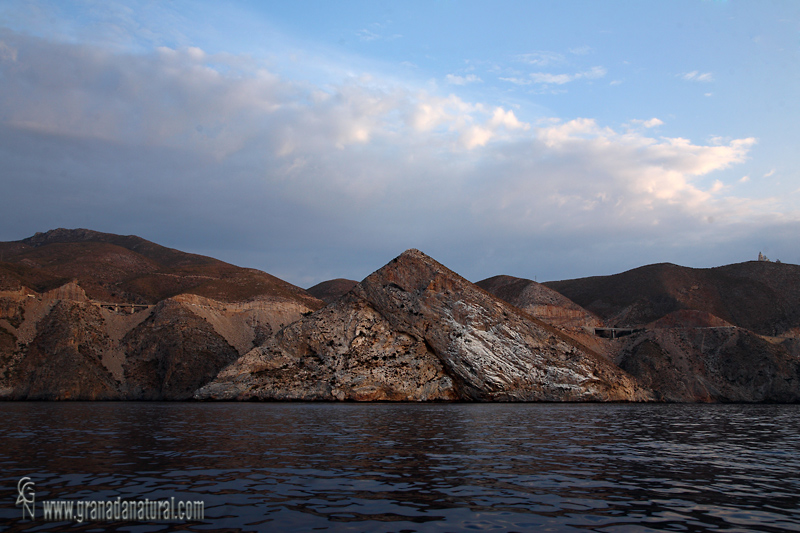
<point x="331" y="290"/>
<point x="89" y="315"/>
<point x="540" y="301"/>
<point x="115" y="268"/>
<point x="95" y="316"/>
<point x="724" y="334"/>
<point x="761" y="296"/>
<point x="712" y="364"/>
<point x="415" y="330"/>
<point x="553" y="308"/>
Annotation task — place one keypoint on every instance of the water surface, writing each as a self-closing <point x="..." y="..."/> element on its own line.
<point x="413" y="467"/>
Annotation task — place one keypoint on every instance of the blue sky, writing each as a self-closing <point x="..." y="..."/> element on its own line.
<point x="315" y="140"/>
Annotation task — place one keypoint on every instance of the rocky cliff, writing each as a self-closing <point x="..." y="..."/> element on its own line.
<point x="725" y="334"/>
<point x="53" y="346"/>
<point x="59" y="342"/>
<point x="712" y="364"/>
<point x="414" y="330"/>
<point x="87" y="315"/>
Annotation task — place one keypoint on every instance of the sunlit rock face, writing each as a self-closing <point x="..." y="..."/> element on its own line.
<point x="414" y="330"/>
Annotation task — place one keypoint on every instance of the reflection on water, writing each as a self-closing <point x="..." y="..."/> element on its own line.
<point x="411" y="467"/>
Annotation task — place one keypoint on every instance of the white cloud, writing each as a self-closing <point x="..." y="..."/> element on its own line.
<point x="698" y="76"/>
<point x="367" y="35"/>
<point x="557" y="79"/>
<point x="462" y="80"/>
<point x="770" y="173"/>
<point x="364" y="160"/>
<point x="581" y="50"/>
<point x="376" y="31"/>
<point x="541" y="59"/>
<point x="560" y="79"/>
<point x="517" y="81"/>
<point x="642" y="172"/>
<point x="651" y="123"/>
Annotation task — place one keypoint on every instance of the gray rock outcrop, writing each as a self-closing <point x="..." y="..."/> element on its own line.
<point x="414" y="330"/>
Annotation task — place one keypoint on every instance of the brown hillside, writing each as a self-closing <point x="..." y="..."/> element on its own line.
<point x="119" y="268"/>
<point x="331" y="290"/>
<point x="763" y="297"/>
<point x="539" y="300"/>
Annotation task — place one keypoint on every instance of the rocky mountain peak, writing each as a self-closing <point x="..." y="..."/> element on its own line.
<point x="63" y="235"/>
<point x="415" y="330"/>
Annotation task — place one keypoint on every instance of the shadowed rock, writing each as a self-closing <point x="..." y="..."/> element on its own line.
<point x="762" y="297"/>
<point x="331" y="290"/>
<point x="712" y="364"/>
<point x="69" y="329"/>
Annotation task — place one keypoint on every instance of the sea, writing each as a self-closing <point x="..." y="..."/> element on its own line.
<point x="400" y="467"/>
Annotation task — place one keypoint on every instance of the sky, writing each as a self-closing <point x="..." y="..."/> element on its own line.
<point x="318" y="140"/>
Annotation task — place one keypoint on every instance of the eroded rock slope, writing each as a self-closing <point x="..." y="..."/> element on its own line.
<point x="414" y="330"/>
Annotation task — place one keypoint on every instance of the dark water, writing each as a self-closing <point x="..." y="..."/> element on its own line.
<point x="410" y="467"/>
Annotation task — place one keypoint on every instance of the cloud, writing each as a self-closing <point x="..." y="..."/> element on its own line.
<point x="581" y="50"/>
<point x="480" y="135"/>
<point x="376" y="31"/>
<point x="770" y="173"/>
<point x="651" y="123"/>
<point x="7" y="53"/>
<point x="367" y="35"/>
<point x="541" y="58"/>
<point x="697" y="76"/>
<point x="517" y="81"/>
<point x="462" y="80"/>
<point x="560" y="79"/>
<point x="183" y="145"/>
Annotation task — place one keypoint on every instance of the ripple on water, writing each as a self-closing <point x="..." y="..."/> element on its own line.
<point x="412" y="467"/>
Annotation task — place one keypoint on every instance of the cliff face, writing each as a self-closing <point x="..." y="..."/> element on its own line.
<point x="62" y="345"/>
<point x="412" y="330"/>
<point x="89" y="315"/>
<point x="728" y="334"/>
<point x="416" y="330"/>
<point x="64" y="359"/>
<point x="712" y="364"/>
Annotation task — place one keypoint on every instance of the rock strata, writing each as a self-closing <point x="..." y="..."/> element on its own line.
<point x="62" y="345"/>
<point x="540" y="301"/>
<point x="414" y="330"/>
